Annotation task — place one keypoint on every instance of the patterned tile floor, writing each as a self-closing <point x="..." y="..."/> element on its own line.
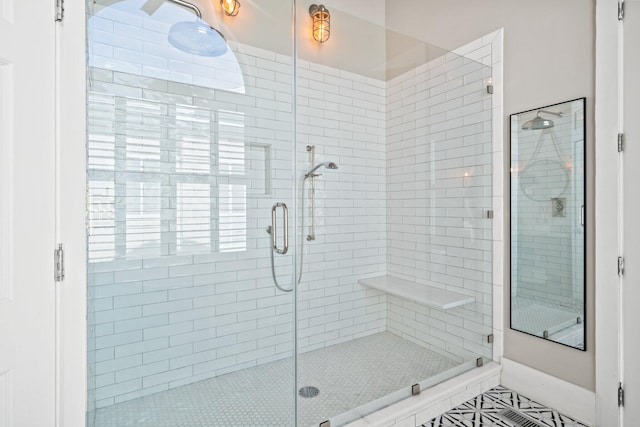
<point x="484" y="410"/>
<point x="348" y="375"/>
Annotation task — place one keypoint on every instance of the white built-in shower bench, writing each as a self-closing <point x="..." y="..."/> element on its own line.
<point x="428" y="295"/>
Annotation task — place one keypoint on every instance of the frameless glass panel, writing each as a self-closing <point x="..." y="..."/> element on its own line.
<point x="547" y="222"/>
<point x="397" y="286"/>
<point x="188" y="151"/>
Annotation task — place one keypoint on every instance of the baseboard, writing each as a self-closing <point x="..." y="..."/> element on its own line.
<point x="567" y="398"/>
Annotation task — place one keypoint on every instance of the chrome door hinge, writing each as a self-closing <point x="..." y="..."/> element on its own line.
<point x="621" y="10"/>
<point x="620" y="266"/>
<point x="59" y="10"/>
<point x="59" y="263"/>
<point x="620" y="395"/>
<point x="620" y="142"/>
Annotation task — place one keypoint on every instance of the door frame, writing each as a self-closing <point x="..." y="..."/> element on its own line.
<point x="71" y="340"/>
<point x="608" y="110"/>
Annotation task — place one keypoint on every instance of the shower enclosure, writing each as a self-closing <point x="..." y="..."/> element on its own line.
<point x="199" y="169"/>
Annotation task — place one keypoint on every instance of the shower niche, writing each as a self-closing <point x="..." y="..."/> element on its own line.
<point x="548" y="222"/>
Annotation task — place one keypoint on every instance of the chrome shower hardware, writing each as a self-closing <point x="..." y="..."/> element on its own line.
<point x="311" y="149"/>
<point x="539" y="122"/>
<point x="328" y="165"/>
<point x="271" y="230"/>
<point x="285" y="226"/>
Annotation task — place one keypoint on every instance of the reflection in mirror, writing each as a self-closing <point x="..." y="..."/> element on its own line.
<point x="548" y="223"/>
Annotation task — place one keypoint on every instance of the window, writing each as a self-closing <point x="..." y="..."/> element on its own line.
<point x="155" y="187"/>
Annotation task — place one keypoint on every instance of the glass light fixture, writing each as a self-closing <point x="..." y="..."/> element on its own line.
<point x="321" y="24"/>
<point x="230" y="7"/>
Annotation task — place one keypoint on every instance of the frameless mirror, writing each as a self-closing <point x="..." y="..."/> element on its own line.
<point x="548" y="222"/>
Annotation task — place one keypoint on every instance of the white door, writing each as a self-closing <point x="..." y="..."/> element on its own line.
<point x="631" y="303"/>
<point x="27" y="191"/>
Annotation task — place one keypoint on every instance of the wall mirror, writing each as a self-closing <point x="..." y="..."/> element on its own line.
<point x="548" y="222"/>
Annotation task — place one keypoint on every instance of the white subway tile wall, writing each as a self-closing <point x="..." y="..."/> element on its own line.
<point x="181" y="184"/>
<point x="439" y="183"/>
<point x="343" y="115"/>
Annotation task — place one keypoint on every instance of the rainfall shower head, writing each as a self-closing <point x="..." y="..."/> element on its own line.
<point x="538" y="122"/>
<point x="328" y="165"/>
<point x="196" y="37"/>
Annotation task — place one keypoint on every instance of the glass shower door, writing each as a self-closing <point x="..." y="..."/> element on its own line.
<point x="396" y="294"/>
<point x="190" y="157"/>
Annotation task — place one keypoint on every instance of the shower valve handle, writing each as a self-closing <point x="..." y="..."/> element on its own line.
<point x="272" y="229"/>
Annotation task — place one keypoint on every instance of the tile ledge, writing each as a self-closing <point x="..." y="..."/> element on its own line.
<point x="413" y="405"/>
<point x="427" y="294"/>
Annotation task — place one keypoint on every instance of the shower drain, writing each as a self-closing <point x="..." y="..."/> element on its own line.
<point x="308" y="391"/>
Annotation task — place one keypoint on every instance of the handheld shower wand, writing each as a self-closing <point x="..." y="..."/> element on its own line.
<point x="328" y="165"/>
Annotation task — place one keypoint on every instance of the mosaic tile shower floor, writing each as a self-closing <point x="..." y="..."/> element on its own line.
<point x="348" y="375"/>
<point x="483" y="411"/>
<point x="537" y="314"/>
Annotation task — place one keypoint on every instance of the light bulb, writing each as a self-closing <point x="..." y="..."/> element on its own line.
<point x="230" y="7"/>
<point x="321" y="26"/>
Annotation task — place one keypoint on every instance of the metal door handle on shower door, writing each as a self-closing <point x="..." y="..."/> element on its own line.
<point x="285" y="223"/>
<point x="274" y="240"/>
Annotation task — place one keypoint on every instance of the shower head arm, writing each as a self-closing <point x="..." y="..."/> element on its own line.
<point x="553" y="113"/>
<point x="188" y="5"/>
